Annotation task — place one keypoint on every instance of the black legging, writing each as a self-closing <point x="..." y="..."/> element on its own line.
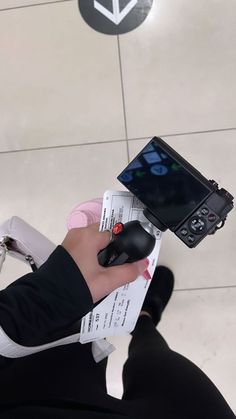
<point x="169" y="385"/>
<point x="158" y="382"/>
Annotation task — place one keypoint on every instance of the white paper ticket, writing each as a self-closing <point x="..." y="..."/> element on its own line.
<point x="118" y="313"/>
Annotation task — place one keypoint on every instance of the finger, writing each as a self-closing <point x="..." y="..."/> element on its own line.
<point x="102" y="237"/>
<point x="94" y="227"/>
<point x="102" y="240"/>
<point x="117" y="276"/>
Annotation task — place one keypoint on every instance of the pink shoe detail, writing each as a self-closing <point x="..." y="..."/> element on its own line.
<point x="85" y="214"/>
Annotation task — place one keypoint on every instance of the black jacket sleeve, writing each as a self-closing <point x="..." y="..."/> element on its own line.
<point x="42" y="303"/>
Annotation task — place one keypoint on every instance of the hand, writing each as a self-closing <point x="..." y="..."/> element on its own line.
<point x="84" y="244"/>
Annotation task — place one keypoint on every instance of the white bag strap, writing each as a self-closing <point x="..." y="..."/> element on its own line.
<point x="11" y="349"/>
<point x="3" y="251"/>
<point x="22" y="241"/>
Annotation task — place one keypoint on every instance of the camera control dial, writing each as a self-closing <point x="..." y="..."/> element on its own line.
<point x="197" y="224"/>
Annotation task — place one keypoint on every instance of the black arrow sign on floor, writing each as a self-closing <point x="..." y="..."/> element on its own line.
<point x="114" y="17"/>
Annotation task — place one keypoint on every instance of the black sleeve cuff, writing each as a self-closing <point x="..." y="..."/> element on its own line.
<point x="36" y="307"/>
<point x="61" y="272"/>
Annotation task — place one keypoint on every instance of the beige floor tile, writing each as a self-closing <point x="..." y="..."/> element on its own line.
<point x="179" y="68"/>
<point x="199" y="325"/>
<point x="60" y="79"/>
<point x="61" y="85"/>
<point x="43" y="186"/>
<point x="10" y="4"/>
<point x="212" y="262"/>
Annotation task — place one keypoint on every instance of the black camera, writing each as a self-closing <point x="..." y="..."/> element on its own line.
<point x="175" y="195"/>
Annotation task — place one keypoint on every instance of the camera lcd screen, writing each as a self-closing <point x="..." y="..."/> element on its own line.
<point x="167" y="188"/>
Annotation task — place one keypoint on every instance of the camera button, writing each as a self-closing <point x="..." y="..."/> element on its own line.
<point x="197" y="225"/>
<point x="191" y="238"/>
<point x="204" y="211"/>
<point x="212" y="217"/>
<point x="183" y="231"/>
<point x="118" y="228"/>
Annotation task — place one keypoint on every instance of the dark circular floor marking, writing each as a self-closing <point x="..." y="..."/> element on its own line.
<point x="114" y="17"/>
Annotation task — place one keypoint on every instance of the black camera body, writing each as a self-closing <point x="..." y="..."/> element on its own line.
<point x="175" y="195"/>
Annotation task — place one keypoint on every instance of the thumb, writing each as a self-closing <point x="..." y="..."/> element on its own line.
<point x="123" y="274"/>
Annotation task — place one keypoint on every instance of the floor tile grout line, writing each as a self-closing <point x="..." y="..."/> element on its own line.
<point x="123" y="98"/>
<point x="112" y="141"/>
<point x="33" y="5"/>
<point x="62" y="146"/>
<point x="183" y="133"/>
<point x="220" y="287"/>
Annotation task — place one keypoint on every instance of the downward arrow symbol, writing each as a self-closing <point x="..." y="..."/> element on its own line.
<point x="116" y="16"/>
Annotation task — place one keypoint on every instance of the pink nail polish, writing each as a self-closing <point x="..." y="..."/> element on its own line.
<point x="146" y="275"/>
<point x="146" y="262"/>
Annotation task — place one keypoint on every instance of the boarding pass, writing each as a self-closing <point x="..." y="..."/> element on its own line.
<point x="118" y="313"/>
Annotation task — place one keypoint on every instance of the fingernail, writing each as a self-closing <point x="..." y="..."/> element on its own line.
<point x="146" y="274"/>
<point x="142" y="265"/>
<point x="146" y="261"/>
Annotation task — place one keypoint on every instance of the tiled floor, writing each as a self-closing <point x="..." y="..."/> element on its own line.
<point x="76" y="105"/>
